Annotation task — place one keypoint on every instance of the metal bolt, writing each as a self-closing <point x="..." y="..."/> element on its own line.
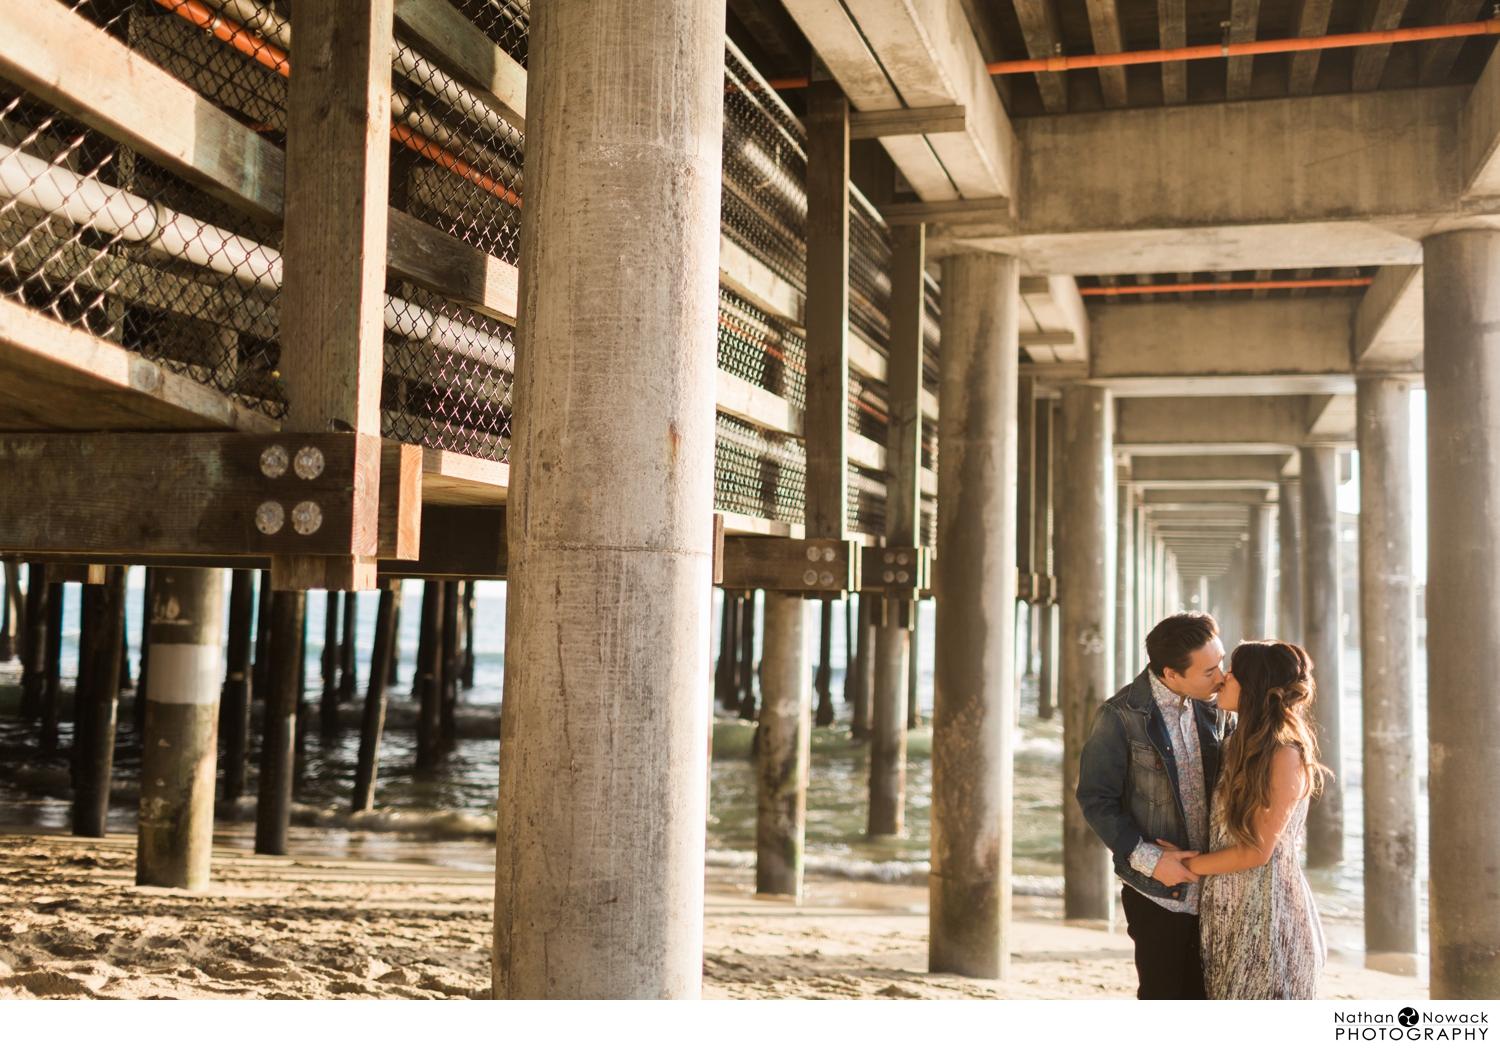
<point x="813" y="554"/>
<point x="829" y="554"/>
<point x="309" y="463"/>
<point x="269" y="517"/>
<point x="810" y="577"/>
<point x="889" y="557"/>
<point x="826" y="579"/>
<point x="273" y="461"/>
<point x="901" y="558"/>
<point x="888" y="576"/>
<point x="902" y="577"/>
<point x="307" y="517"/>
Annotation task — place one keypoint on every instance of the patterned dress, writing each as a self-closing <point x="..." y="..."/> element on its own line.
<point x="1261" y="935"/>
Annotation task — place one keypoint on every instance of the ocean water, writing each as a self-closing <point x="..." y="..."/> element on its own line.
<point x="458" y="801"/>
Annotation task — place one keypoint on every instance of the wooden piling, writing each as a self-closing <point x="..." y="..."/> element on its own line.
<point x="393" y="674"/>
<point x="747" y="683"/>
<point x="52" y="667"/>
<point x="913" y="671"/>
<point x="448" y="665"/>
<point x="466" y="677"/>
<point x="138" y="709"/>
<point x="11" y="616"/>
<point x="729" y="651"/>
<point x="96" y="700"/>
<point x="429" y="676"/>
<point x="348" y="671"/>
<point x="179" y="752"/>
<point x="864" y="671"/>
<point x="329" y="707"/>
<point x="34" y="643"/>
<point x="261" y="671"/>
<point x="234" y="706"/>
<point x="273" y="809"/>
<point x="381" y="650"/>
<point x="824" y="681"/>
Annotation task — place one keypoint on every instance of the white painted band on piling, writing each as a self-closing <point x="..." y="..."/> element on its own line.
<point x="183" y="674"/>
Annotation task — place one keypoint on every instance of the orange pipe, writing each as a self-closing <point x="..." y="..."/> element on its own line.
<point x="272" y="57"/>
<point x="1229" y="286"/>
<point x="1061" y="63"/>
<point x="1058" y="63"/>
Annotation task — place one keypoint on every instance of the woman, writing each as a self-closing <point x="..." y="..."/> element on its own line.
<point x="1261" y="935"/>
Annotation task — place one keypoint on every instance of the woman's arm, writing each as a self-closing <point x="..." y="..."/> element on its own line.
<point x="1288" y="783"/>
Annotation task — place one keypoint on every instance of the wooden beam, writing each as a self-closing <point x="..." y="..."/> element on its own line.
<point x="1309" y="18"/>
<point x="337" y="224"/>
<point x="1043" y="34"/>
<point x="1369" y="62"/>
<point x="927" y="120"/>
<point x="826" y="415"/>
<point x="1171" y="24"/>
<point x="1109" y="38"/>
<point x="66" y="61"/>
<point x="441" y="263"/>
<point x="56" y="377"/>
<point x="400" y="500"/>
<point x="453" y="479"/>
<point x="982" y="210"/>
<point x="1244" y="23"/>
<point x="820" y="567"/>
<point x="903" y="500"/>
<point x="457" y="542"/>
<point x="457" y="46"/>
<point x="189" y="494"/>
<point x="755" y="404"/>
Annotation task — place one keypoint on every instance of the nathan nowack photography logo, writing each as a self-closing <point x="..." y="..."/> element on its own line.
<point x="1411" y="1025"/>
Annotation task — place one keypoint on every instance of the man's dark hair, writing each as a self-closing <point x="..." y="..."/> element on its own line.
<point x="1173" y="642"/>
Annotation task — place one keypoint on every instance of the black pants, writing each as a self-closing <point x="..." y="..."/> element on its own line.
<point x="1166" y="949"/>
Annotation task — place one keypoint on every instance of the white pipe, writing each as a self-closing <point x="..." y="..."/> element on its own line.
<point x="85" y="201"/>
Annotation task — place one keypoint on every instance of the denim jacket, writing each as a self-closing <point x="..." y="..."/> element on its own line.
<point x="1127" y="777"/>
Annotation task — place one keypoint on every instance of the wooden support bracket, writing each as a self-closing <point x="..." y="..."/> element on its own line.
<point x="814" y="568"/>
<point x="899" y="573"/>
<point x="75" y="572"/>
<point x="457" y="543"/>
<point x="197" y="495"/>
<point x="1035" y="588"/>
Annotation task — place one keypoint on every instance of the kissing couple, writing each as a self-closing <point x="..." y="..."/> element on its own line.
<point x="1203" y="813"/>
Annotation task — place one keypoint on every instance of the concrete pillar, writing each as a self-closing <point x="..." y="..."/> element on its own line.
<point x="1258" y="573"/>
<point x="863" y="672"/>
<point x="599" y="864"/>
<point x="1462" y="313"/>
<point x="783" y="739"/>
<point x="179" y="749"/>
<point x="1124" y="581"/>
<point x="1322" y="630"/>
<point x="1046" y="686"/>
<point x="974" y="678"/>
<point x="1289" y="562"/>
<point x="1085" y="581"/>
<point x="888" y="729"/>
<point x="1387" y="641"/>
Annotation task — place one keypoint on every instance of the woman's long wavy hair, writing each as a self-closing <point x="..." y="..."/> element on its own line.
<point x="1276" y="690"/>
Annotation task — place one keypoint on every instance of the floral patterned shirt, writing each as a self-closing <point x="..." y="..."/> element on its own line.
<point x="1182" y="733"/>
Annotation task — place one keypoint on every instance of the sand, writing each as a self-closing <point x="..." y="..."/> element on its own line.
<point x="74" y="925"/>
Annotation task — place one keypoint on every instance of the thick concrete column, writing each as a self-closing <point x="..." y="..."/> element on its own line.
<point x="783" y="739"/>
<point x="974" y="676"/>
<point x="1322" y="628"/>
<point x="1085" y="582"/>
<point x="603" y="743"/>
<point x="1289" y="562"/>
<point x="1258" y="573"/>
<point x="1387" y="641"/>
<point x="1124" y="580"/>
<point x="179" y="749"/>
<point x="1462" y="314"/>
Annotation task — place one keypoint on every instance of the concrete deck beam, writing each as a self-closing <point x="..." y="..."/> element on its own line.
<point x="1250" y="425"/>
<point x="1160" y="471"/>
<point x="1388" y="322"/>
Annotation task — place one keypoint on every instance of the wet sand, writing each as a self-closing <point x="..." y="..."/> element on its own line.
<point x="74" y="925"/>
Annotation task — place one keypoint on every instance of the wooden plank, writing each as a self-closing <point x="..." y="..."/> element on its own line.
<point x="68" y="62"/>
<point x="453" y="479"/>
<point x="865" y="359"/>
<point x="1109" y="39"/>
<point x="441" y="263"/>
<point x="461" y="542"/>
<point x="1043" y="35"/>
<point x="744" y="400"/>
<point x="1171" y="24"/>
<point x="983" y="209"/>
<point x="816" y="566"/>
<point x="924" y="120"/>
<point x="400" y="500"/>
<point x="55" y="377"/>
<point x="334" y="247"/>
<point x="827" y="309"/>
<point x="1244" y="23"/>
<point x="865" y="453"/>
<point x="456" y="46"/>
<point x="748" y="525"/>
<point x="753" y="279"/>
<point x="189" y="494"/>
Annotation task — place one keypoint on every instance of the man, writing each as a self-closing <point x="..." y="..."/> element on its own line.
<point x="1147" y="774"/>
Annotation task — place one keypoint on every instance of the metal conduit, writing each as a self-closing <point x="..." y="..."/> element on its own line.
<point x="86" y="201"/>
<point x="1063" y="63"/>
